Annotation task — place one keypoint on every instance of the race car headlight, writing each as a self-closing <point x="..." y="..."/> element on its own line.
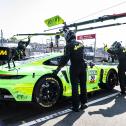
<point x="5" y="76"/>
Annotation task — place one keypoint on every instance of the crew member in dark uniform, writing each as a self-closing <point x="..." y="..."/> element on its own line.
<point x="119" y="52"/>
<point x="74" y="51"/>
<point x="19" y="52"/>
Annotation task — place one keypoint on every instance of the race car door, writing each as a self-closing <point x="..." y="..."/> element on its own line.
<point x="92" y="78"/>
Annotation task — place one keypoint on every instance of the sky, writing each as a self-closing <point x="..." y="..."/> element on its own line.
<point x="27" y="16"/>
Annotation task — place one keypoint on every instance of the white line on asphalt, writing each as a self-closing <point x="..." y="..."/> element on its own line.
<point x="101" y="99"/>
<point x="39" y="120"/>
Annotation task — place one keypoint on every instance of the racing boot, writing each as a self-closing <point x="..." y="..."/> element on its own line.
<point x="75" y="109"/>
<point x="83" y="106"/>
<point x="123" y="93"/>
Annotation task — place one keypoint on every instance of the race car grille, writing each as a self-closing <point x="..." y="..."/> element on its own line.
<point x="11" y="76"/>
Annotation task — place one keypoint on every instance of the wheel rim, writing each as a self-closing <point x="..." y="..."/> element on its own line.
<point x="48" y="92"/>
<point x="112" y="80"/>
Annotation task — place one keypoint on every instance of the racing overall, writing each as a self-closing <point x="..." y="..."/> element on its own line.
<point x="74" y="51"/>
<point x="121" y="56"/>
<point x="18" y="53"/>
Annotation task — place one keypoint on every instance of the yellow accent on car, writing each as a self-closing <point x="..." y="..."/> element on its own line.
<point x="3" y="52"/>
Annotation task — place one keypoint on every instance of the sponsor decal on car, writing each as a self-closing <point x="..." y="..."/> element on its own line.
<point x="92" y="72"/>
<point x="92" y="79"/>
<point x="92" y="76"/>
<point x="3" y="52"/>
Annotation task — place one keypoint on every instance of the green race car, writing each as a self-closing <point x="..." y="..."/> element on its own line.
<point x="32" y="79"/>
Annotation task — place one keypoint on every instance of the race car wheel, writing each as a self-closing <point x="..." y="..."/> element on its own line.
<point x="47" y="91"/>
<point x="112" y="80"/>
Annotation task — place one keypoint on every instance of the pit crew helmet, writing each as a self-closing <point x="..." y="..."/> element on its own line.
<point x="69" y="35"/>
<point x="21" y="45"/>
<point x="116" y="46"/>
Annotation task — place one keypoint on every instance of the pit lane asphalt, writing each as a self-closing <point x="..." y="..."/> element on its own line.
<point x="105" y="108"/>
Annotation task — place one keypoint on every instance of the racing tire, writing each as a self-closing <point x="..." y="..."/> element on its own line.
<point x="47" y="91"/>
<point x="111" y="80"/>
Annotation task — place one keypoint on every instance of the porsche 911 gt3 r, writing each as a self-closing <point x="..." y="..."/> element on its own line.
<point x="32" y="79"/>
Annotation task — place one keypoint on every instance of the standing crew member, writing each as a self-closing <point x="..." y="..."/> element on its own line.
<point x="74" y="51"/>
<point x="22" y="47"/>
<point x="119" y="52"/>
<point x="18" y="53"/>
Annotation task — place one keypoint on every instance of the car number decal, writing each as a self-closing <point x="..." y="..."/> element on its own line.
<point x="92" y="75"/>
<point x="92" y="79"/>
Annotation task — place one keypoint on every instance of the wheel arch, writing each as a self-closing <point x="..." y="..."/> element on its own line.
<point x="104" y="82"/>
<point x="48" y="75"/>
<point x="111" y="71"/>
<point x="108" y="84"/>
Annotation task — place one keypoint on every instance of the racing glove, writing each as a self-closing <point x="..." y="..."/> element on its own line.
<point x="55" y="72"/>
<point x="105" y="48"/>
<point x="91" y="64"/>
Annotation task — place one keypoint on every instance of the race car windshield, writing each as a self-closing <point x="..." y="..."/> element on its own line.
<point x="28" y="60"/>
<point x="34" y="58"/>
